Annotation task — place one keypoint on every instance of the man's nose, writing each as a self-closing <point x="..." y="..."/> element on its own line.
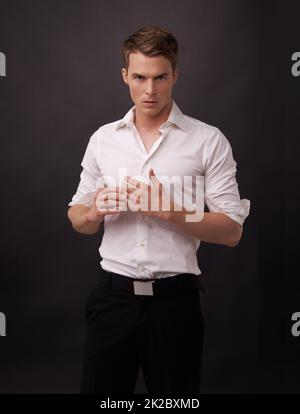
<point x="150" y="90"/>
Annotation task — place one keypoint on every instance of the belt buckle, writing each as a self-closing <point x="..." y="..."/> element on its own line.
<point x="143" y="288"/>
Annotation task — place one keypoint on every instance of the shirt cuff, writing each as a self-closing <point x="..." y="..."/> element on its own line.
<point x="84" y="199"/>
<point x="236" y="213"/>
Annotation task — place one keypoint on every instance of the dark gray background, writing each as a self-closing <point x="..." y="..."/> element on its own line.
<point x="63" y="82"/>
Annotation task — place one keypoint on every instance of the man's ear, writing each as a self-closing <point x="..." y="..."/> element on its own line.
<point x="175" y="75"/>
<point x="125" y="75"/>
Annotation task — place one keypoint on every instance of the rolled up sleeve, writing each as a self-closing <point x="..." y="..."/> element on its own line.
<point x="221" y="191"/>
<point x="91" y="177"/>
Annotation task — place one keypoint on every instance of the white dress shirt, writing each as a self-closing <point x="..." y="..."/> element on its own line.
<point x="141" y="246"/>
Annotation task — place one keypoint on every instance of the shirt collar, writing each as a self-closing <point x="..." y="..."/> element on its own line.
<point x="176" y="117"/>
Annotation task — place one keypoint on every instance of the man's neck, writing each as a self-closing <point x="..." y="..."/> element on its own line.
<point x="144" y="122"/>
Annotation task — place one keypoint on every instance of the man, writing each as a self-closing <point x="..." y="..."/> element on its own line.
<point x="146" y="311"/>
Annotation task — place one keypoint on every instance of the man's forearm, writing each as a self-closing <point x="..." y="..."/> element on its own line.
<point x="213" y="228"/>
<point x="77" y="216"/>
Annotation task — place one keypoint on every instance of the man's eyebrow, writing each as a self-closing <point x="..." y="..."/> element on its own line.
<point x="162" y="74"/>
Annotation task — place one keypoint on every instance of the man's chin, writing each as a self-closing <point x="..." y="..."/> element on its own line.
<point x="149" y="111"/>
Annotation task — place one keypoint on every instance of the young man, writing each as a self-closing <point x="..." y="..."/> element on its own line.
<point x="146" y="311"/>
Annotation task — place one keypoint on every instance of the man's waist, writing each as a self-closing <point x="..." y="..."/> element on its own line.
<point x="183" y="282"/>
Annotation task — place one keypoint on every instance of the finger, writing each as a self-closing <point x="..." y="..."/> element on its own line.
<point x="131" y="190"/>
<point x="106" y="206"/>
<point x="111" y="200"/>
<point x="132" y="182"/>
<point x="153" y="177"/>
<point x="109" y="203"/>
<point x="115" y="189"/>
<point x="132" y="205"/>
<point x="97" y="193"/>
<point x="142" y="187"/>
<point x="111" y="211"/>
<point x="113" y="196"/>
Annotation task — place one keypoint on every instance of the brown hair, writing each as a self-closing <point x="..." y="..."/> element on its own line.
<point x="151" y="41"/>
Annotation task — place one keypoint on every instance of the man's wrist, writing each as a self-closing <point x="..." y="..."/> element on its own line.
<point x="169" y="215"/>
<point x="176" y="214"/>
<point x="88" y="220"/>
<point x="164" y="215"/>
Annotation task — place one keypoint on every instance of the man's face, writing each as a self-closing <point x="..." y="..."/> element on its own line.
<point x="149" y="79"/>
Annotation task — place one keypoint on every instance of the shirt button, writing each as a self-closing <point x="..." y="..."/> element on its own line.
<point x="142" y="244"/>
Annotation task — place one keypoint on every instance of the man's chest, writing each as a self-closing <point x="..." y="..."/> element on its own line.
<point x="149" y="139"/>
<point x="169" y="155"/>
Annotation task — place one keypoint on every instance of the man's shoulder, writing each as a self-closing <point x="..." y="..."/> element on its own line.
<point x="206" y="134"/>
<point x="104" y="130"/>
<point x="107" y="127"/>
<point x="196" y="125"/>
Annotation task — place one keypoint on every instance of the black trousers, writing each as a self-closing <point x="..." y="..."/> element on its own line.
<point x="162" y="333"/>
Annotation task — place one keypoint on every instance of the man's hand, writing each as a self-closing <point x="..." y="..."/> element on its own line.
<point x="150" y="200"/>
<point x="87" y="220"/>
<point x="107" y="200"/>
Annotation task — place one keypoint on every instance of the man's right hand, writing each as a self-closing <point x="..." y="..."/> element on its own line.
<point x="107" y="200"/>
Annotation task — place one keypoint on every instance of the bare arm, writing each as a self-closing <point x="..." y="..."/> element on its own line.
<point x="213" y="228"/>
<point x="87" y="220"/>
<point x="78" y="215"/>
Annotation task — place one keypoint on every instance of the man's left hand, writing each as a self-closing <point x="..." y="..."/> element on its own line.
<point x="150" y="200"/>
